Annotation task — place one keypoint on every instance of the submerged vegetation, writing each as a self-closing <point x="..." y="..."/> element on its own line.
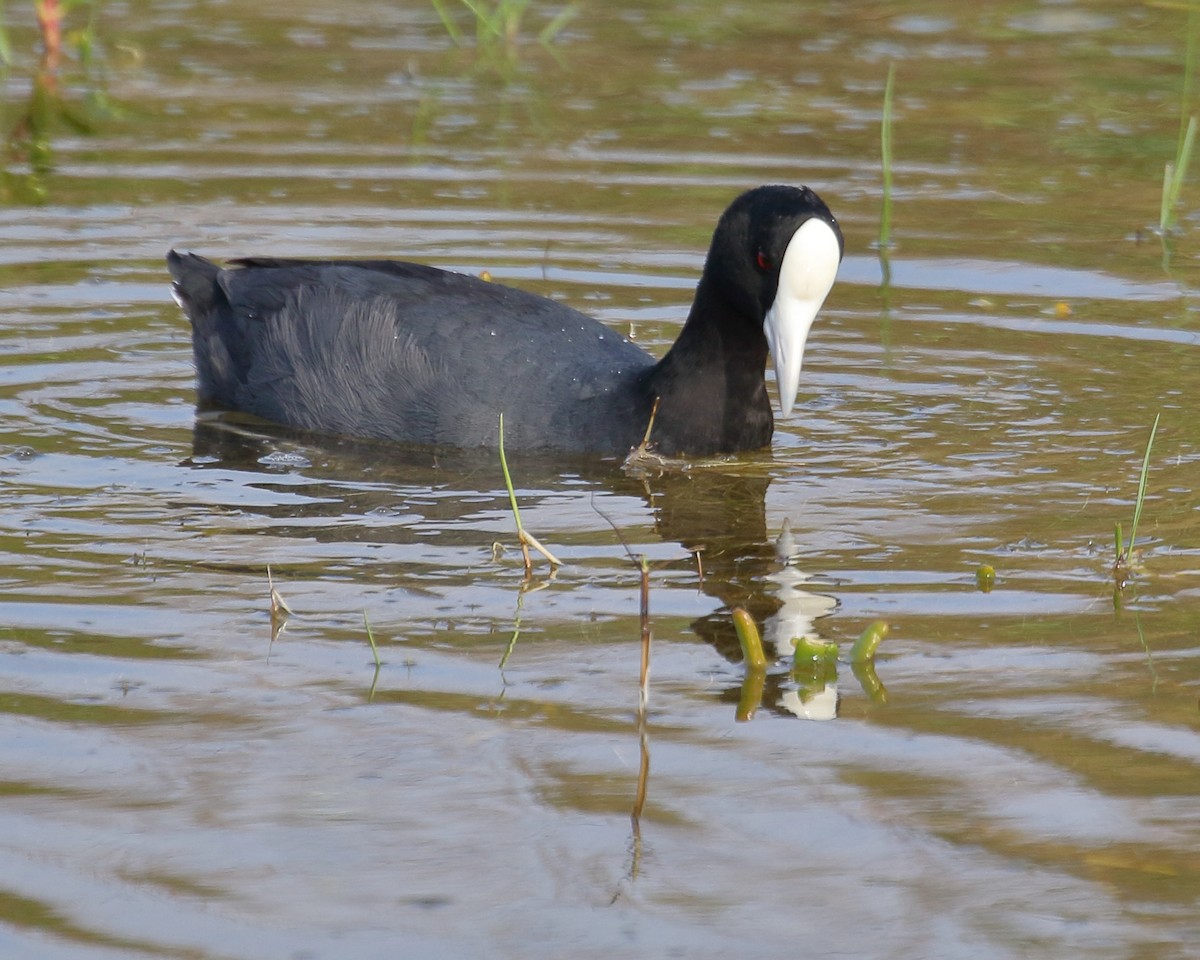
<point x="499" y="24"/>
<point x="29" y="151"/>
<point x="1176" y="171"/>
<point x="813" y="671"/>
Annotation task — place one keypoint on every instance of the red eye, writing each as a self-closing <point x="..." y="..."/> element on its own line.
<point x="763" y="261"/>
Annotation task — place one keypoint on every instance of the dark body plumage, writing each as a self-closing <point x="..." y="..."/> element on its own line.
<point x="400" y="351"/>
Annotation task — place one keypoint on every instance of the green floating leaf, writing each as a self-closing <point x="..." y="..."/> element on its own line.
<point x="751" y="695"/>
<point x="864" y="673"/>
<point x="749" y="638"/>
<point x="811" y="650"/>
<point x="814" y="666"/>
<point x="985" y="577"/>
<point x="864" y="647"/>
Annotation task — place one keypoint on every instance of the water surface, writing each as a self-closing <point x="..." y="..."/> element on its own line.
<point x="1023" y="781"/>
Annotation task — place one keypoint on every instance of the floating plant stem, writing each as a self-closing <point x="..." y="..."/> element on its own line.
<point x="750" y="696"/>
<point x="754" y="682"/>
<point x="868" y="679"/>
<point x="748" y="636"/>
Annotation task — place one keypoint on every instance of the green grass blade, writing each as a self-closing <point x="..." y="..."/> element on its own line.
<point x="1189" y="68"/>
<point x="512" y="495"/>
<point x="5" y="46"/>
<point x="552" y="29"/>
<point x="488" y="23"/>
<point x="447" y="22"/>
<point x="885" y="152"/>
<point x="371" y="641"/>
<point x="1182" y="161"/>
<point x="1174" y="175"/>
<point x="1164" y="209"/>
<point x="1141" y="494"/>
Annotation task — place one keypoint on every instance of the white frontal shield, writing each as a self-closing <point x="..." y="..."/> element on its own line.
<point x="806" y="275"/>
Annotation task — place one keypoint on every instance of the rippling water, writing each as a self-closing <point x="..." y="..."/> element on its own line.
<point x="1018" y="778"/>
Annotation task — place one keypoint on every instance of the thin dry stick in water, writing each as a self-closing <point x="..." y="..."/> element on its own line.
<point x="280" y="610"/>
<point x="645" y="622"/>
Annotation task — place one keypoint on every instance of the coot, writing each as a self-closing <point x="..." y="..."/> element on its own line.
<point x="401" y="351"/>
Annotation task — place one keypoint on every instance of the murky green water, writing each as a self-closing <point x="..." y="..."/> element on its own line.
<point x="1026" y="783"/>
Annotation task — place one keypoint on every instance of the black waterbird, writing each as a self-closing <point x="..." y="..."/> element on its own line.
<point x="400" y="351"/>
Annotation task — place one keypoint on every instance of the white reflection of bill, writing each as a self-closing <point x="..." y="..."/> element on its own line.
<point x="811" y="698"/>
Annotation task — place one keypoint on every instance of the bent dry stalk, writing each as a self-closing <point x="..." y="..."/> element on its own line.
<point x="280" y="610"/>
<point x="524" y="537"/>
<point x="643" y="565"/>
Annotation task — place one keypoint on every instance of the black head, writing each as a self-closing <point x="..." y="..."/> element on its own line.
<point x="774" y="256"/>
<point x="751" y="239"/>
